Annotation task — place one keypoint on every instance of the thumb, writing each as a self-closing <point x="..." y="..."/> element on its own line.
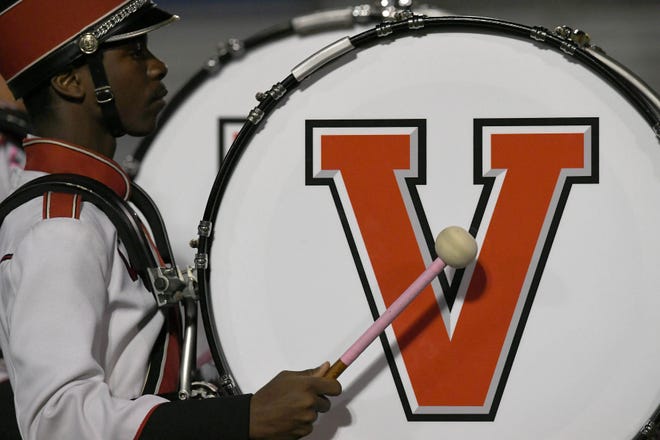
<point x="318" y="371"/>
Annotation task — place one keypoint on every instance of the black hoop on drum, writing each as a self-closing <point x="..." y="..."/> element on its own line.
<point x="234" y="49"/>
<point x="644" y="101"/>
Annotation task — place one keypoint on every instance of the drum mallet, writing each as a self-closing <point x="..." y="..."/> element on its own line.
<point x="456" y="248"/>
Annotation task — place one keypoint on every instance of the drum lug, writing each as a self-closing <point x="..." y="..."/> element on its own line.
<point x="201" y="261"/>
<point x="538" y="33"/>
<point x="276" y="92"/>
<point x="646" y="431"/>
<point x="227" y="384"/>
<point x="568" y="47"/>
<point x="171" y="285"/>
<point x="384" y="29"/>
<point x="256" y="115"/>
<point x="204" y="228"/>
<point x="573" y="39"/>
<point x="416" y="22"/>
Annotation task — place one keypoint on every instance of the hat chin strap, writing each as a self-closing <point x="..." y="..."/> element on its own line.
<point x="104" y="95"/>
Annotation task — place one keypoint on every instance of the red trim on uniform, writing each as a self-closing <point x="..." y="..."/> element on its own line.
<point x="57" y="22"/>
<point x="57" y="157"/>
<point x="44" y="210"/>
<point x="144" y="422"/>
<point x="131" y="271"/>
<point x="61" y="205"/>
<point x="161" y="262"/>
<point x="77" y="202"/>
<point x="6" y="257"/>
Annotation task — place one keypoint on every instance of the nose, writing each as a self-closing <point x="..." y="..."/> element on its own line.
<point x="156" y="68"/>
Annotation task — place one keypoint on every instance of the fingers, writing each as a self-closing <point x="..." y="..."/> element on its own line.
<point x="327" y="386"/>
<point x="322" y="404"/>
<point x="321" y="370"/>
<point x="320" y="384"/>
<point x="316" y="372"/>
<point x="289" y="404"/>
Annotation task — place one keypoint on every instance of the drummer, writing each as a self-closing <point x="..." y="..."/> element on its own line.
<point x="79" y="331"/>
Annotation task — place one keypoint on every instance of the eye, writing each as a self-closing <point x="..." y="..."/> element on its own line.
<point x="138" y="50"/>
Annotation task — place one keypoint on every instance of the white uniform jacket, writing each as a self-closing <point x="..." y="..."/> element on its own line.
<point x="77" y="326"/>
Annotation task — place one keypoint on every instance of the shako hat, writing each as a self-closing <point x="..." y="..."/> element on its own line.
<point x="40" y="38"/>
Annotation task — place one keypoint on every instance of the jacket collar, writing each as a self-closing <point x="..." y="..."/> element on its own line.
<point x="59" y="157"/>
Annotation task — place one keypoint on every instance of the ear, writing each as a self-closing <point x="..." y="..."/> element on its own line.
<point x="69" y="85"/>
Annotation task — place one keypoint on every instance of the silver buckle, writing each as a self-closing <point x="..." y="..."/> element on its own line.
<point x="104" y="95"/>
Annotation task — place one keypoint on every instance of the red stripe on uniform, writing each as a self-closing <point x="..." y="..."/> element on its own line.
<point x="77" y="205"/>
<point x="44" y="211"/>
<point x="61" y="205"/>
<point x="144" y="422"/>
<point x="131" y="271"/>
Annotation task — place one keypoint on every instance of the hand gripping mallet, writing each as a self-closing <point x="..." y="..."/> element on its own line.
<point x="456" y="248"/>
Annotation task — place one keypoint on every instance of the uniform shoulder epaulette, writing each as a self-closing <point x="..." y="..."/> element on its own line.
<point x="58" y="204"/>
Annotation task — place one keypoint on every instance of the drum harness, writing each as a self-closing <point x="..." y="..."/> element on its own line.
<point x="168" y="284"/>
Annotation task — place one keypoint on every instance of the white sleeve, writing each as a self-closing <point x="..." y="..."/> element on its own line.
<point x="61" y="271"/>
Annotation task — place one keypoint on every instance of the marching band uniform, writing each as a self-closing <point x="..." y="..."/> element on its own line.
<point x="64" y="273"/>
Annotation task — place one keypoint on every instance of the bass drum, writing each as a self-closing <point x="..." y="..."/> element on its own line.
<point x="178" y="162"/>
<point x="326" y="206"/>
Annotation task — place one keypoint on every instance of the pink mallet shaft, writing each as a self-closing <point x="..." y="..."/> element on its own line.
<point x="393" y="311"/>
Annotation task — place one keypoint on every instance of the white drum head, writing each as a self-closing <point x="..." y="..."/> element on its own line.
<point x="333" y="207"/>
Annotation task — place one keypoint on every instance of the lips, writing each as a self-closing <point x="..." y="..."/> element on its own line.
<point x="161" y="92"/>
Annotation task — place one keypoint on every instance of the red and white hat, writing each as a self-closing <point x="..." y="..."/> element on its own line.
<point x="39" y="38"/>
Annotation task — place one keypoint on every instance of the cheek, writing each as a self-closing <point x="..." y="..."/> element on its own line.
<point x="130" y="97"/>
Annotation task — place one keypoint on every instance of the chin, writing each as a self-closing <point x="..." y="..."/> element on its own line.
<point x="141" y="131"/>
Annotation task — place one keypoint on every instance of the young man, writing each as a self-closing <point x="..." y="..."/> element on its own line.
<point x="78" y="329"/>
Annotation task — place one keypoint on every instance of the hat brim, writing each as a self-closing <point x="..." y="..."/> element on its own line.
<point x="150" y="19"/>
